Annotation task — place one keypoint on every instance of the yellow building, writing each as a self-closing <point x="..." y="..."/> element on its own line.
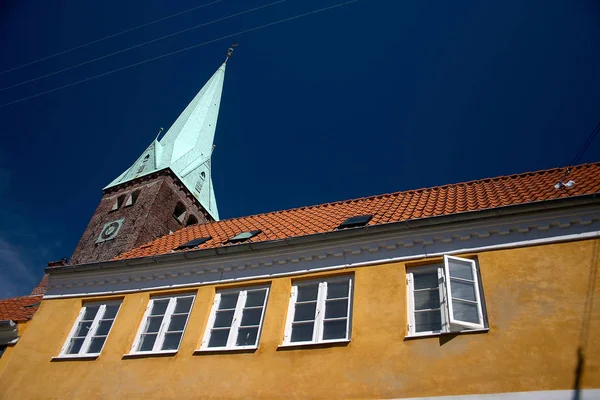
<point x="485" y="290"/>
<point x="436" y="292"/>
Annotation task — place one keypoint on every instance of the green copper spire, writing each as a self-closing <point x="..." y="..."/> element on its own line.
<point x="187" y="146"/>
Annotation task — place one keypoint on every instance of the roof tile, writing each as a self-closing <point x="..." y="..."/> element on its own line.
<point x="387" y="208"/>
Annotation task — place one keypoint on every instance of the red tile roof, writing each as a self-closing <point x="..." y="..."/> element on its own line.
<point x="19" y="309"/>
<point x="395" y="207"/>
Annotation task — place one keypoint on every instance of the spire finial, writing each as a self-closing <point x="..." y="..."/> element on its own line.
<point x="230" y="51"/>
<point x="159" y="132"/>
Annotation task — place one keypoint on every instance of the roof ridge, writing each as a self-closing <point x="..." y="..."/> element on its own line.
<point x="22" y="297"/>
<point x="495" y="178"/>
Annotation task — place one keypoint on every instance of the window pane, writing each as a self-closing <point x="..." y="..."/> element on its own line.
<point x="463" y="290"/>
<point x="426" y="281"/>
<point x="153" y="324"/>
<point x="111" y="311"/>
<point x="465" y="311"/>
<point x="223" y="319"/>
<point x="334" y="329"/>
<point x="228" y="301"/>
<point x="251" y="316"/>
<point x="428" y="321"/>
<point x="336" y="308"/>
<point x="308" y="292"/>
<point x="171" y="341"/>
<point x="305" y="312"/>
<point x="183" y="305"/>
<point x="302" y="332"/>
<point x="147" y="342"/>
<point x="247" y="336"/>
<point x="427" y="299"/>
<point x="103" y="328"/>
<point x="96" y="345"/>
<point x="75" y="346"/>
<point x="218" y="338"/>
<point x="159" y="307"/>
<point x="177" y="322"/>
<point x="256" y="298"/>
<point x="337" y="289"/>
<point x="460" y="269"/>
<point x="83" y="328"/>
<point x="90" y="312"/>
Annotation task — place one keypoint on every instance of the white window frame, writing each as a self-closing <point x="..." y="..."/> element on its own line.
<point x="163" y="326"/>
<point x="448" y="323"/>
<point x="237" y="319"/>
<point x="317" y="337"/>
<point x="91" y="332"/>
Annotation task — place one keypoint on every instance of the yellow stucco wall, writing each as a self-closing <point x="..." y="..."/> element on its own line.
<point x="535" y="299"/>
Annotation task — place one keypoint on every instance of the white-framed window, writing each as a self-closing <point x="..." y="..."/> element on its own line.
<point x="236" y="319"/>
<point x="89" y="333"/>
<point x="163" y="324"/>
<point x="320" y="311"/>
<point x="445" y="297"/>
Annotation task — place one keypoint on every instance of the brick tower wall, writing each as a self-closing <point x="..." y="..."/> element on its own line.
<point x="150" y="217"/>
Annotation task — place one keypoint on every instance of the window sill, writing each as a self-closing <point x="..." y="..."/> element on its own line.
<point x="216" y="350"/>
<point x="326" y="343"/>
<point x="75" y="357"/>
<point x="437" y="334"/>
<point x="141" y="354"/>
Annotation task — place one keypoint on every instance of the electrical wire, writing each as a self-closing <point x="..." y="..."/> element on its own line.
<point x="586" y="145"/>
<point x="141" y="44"/>
<point x="109" y="36"/>
<point x="582" y="150"/>
<point x="180" y="51"/>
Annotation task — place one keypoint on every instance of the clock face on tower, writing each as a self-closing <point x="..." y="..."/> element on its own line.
<point x="110" y="230"/>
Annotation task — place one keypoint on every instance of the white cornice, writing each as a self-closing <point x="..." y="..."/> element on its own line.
<point x="417" y="243"/>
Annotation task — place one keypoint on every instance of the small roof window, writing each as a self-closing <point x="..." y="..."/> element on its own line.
<point x="193" y="243"/>
<point x="354" y="222"/>
<point x="240" y="237"/>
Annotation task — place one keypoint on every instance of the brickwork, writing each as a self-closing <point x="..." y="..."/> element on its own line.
<point x="150" y="217"/>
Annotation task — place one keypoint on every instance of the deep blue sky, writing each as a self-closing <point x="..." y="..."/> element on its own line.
<point x="372" y="97"/>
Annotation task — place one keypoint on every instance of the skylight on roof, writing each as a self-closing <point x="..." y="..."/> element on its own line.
<point x="240" y="237"/>
<point x="354" y="222"/>
<point x="194" y="243"/>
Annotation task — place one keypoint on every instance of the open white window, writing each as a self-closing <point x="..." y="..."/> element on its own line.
<point x="163" y="324"/>
<point x="89" y="333"/>
<point x="319" y="311"/>
<point x="236" y="319"/>
<point x="445" y="297"/>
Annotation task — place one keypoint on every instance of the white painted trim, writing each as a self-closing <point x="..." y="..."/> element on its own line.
<point x="364" y="251"/>
<point x="585" y="394"/>
<point x="435" y="334"/>
<point x="236" y="321"/>
<point x="311" y="344"/>
<point x="318" y="327"/>
<point x="450" y="302"/>
<point x="91" y="331"/>
<point x="76" y="357"/>
<point x="149" y="353"/>
<point x="164" y="325"/>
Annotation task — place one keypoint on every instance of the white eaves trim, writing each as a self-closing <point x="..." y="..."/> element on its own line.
<point x="500" y="233"/>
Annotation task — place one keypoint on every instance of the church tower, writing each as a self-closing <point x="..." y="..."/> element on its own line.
<point x="167" y="188"/>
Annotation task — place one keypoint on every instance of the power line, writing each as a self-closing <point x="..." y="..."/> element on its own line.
<point x="588" y="141"/>
<point x="180" y="51"/>
<point x="110" y="36"/>
<point x="140" y="45"/>
<point x="586" y="145"/>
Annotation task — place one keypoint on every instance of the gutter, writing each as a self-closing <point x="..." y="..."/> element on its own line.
<point x="479" y="215"/>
